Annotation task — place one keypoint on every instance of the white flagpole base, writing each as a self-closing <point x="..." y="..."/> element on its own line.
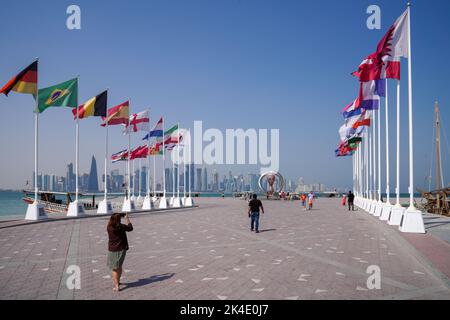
<point x="378" y="209"/>
<point x="412" y="221"/>
<point x="139" y="199"/>
<point x="35" y="211"/>
<point x="373" y="206"/>
<point x="368" y="205"/>
<point x="154" y="199"/>
<point x="189" y="202"/>
<point x="171" y="201"/>
<point x="104" y="207"/>
<point x="397" y="213"/>
<point x="128" y="205"/>
<point x="163" y="203"/>
<point x="386" y="211"/>
<point x="148" y="204"/>
<point x="133" y="198"/>
<point x="363" y="204"/>
<point x="176" y="203"/>
<point x="75" y="209"/>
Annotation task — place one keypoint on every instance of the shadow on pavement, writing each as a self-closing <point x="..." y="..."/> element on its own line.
<point x="146" y="281"/>
<point x="267" y="230"/>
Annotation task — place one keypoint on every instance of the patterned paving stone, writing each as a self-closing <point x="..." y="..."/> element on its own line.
<point x="210" y="253"/>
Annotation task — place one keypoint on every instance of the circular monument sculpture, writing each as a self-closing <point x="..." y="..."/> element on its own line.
<point x="271" y="177"/>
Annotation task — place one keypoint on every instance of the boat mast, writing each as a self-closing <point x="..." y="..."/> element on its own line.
<point x="439" y="174"/>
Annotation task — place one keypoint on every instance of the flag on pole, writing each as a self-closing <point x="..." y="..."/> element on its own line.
<point x="384" y="63"/>
<point x="155" y="149"/>
<point x="64" y="94"/>
<point x="95" y="106"/>
<point x="157" y="130"/>
<point x="24" y="82"/>
<point x="355" y="125"/>
<point x="139" y="152"/>
<point x="138" y="122"/>
<point x="117" y="114"/>
<point x="120" y="156"/>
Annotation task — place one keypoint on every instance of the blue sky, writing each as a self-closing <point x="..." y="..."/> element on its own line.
<point x="232" y="64"/>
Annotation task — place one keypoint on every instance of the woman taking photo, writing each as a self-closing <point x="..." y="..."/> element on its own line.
<point x="117" y="245"/>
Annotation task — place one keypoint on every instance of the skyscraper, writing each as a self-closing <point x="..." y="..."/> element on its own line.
<point x="70" y="178"/>
<point x="198" y="186"/>
<point x="92" y="185"/>
<point x="205" y="180"/>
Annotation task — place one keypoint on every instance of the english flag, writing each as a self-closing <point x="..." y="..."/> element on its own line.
<point x="138" y="122"/>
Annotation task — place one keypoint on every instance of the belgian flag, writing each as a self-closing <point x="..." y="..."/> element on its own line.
<point x="24" y="82"/>
<point x="95" y="106"/>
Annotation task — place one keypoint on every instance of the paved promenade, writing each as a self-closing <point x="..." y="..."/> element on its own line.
<point x="210" y="253"/>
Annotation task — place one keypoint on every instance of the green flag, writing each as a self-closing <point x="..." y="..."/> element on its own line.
<point x="171" y="131"/>
<point x="64" y="94"/>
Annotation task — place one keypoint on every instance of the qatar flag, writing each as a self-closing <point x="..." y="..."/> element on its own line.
<point x="384" y="63"/>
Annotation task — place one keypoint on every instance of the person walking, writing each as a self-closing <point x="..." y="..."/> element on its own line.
<point x="351" y="198"/>
<point x="303" y="199"/>
<point x="310" y="200"/>
<point x="344" y="199"/>
<point x="254" y="207"/>
<point x="117" y="245"/>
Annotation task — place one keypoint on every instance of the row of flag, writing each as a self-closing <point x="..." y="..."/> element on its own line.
<point x="372" y="73"/>
<point x="65" y="94"/>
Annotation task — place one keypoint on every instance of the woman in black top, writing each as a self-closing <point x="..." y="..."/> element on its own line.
<point x="117" y="245"/>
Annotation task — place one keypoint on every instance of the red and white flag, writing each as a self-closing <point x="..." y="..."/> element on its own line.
<point x="138" y="122"/>
<point x="384" y="63"/>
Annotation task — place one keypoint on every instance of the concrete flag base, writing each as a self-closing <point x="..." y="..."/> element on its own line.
<point x="386" y="211"/>
<point x="163" y="203"/>
<point x="378" y="209"/>
<point x="35" y="211"/>
<point x="176" y="203"/>
<point x="75" y="209"/>
<point x="189" y="202"/>
<point x="148" y="204"/>
<point x="104" y="207"/>
<point x="128" y="205"/>
<point x="412" y="221"/>
<point x="397" y="213"/>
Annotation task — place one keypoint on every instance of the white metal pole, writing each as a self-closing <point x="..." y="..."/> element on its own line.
<point x="154" y="173"/>
<point x="139" y="177"/>
<point x="374" y="154"/>
<point x="148" y="161"/>
<point x="190" y="164"/>
<point x="387" y="147"/>
<point x="366" y="161"/>
<point x="106" y="159"/>
<point x="133" y="177"/>
<point x="410" y="117"/>
<point x="76" y="159"/>
<point x="128" y="162"/>
<point x="36" y="150"/>
<point x="379" y="149"/>
<point x="370" y="166"/>
<point x="164" y="160"/>
<point x="397" y="188"/>
<point x="178" y="161"/>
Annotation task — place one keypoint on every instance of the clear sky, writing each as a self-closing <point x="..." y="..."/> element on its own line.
<point x="231" y="63"/>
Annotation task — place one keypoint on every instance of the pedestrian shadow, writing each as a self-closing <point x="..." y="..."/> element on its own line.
<point x="267" y="230"/>
<point x="146" y="281"/>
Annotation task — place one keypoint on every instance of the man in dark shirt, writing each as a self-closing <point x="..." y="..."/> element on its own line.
<point x="350" y="199"/>
<point x="253" y="212"/>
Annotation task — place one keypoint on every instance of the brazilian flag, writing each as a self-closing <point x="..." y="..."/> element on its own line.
<point x="64" y="94"/>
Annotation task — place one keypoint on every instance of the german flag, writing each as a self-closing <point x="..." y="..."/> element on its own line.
<point x="24" y="82"/>
<point x="95" y="106"/>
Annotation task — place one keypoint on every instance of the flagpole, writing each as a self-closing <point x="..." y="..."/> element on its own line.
<point x="77" y="156"/>
<point x="190" y="164"/>
<point x="139" y="177"/>
<point x="397" y="188"/>
<point x="178" y="162"/>
<point x="379" y="149"/>
<point x="164" y="160"/>
<point x="148" y="158"/>
<point x="106" y="159"/>
<point x="128" y="164"/>
<point x="366" y="161"/>
<point x="410" y="117"/>
<point x="388" y="202"/>
<point x="154" y="173"/>
<point x="36" y="150"/>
